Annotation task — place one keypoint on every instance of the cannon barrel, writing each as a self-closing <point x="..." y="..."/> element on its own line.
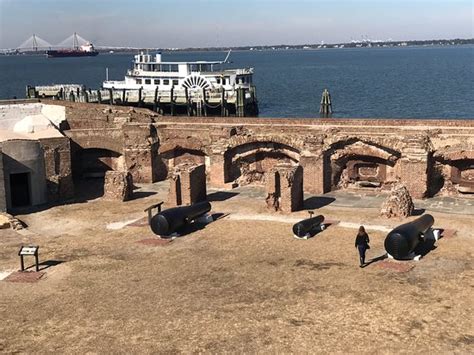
<point x="169" y="221"/>
<point x="403" y="240"/>
<point x="305" y="226"/>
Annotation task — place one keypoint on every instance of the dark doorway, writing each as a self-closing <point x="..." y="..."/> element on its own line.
<point x="20" y="189"/>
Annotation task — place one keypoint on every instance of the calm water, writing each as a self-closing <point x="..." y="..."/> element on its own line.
<point x="420" y="82"/>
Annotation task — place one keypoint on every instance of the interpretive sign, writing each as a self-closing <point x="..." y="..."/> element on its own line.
<point x="29" y="250"/>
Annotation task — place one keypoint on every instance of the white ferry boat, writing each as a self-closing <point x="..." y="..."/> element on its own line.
<point x="151" y="73"/>
<point x="202" y="88"/>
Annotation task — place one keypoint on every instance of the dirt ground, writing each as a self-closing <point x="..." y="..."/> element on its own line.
<point x="237" y="285"/>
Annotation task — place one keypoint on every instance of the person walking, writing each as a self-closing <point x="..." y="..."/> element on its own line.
<point x="362" y="244"/>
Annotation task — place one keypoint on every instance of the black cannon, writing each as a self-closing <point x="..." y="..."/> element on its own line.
<point x="169" y="221"/>
<point x="403" y="240"/>
<point x="304" y="227"/>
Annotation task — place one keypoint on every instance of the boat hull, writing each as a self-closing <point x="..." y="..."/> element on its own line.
<point x="66" y="54"/>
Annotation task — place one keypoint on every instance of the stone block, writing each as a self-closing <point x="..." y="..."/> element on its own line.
<point x="187" y="184"/>
<point x="118" y="185"/>
<point x="284" y="184"/>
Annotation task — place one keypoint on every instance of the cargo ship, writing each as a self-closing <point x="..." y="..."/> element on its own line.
<point x="86" y="50"/>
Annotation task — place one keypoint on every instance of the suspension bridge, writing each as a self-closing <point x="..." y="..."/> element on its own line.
<point x="37" y="44"/>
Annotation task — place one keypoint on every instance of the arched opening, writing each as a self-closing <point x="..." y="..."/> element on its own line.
<point x="453" y="174"/>
<point x="90" y="166"/>
<point x="354" y="164"/>
<point x="359" y="171"/>
<point x="180" y="155"/>
<point x="94" y="162"/>
<point x="248" y="163"/>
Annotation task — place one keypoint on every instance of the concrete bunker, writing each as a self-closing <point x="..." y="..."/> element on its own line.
<point x="24" y="173"/>
<point x="248" y="163"/>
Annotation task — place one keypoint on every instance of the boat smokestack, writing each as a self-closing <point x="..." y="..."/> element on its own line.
<point x="158" y="57"/>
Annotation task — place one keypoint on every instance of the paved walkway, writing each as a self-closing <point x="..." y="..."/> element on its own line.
<point x="464" y="206"/>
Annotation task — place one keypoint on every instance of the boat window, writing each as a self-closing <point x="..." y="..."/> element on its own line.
<point x="157" y="81"/>
<point x="138" y="81"/>
<point x="200" y="67"/>
<point x="147" y="81"/>
<point x="166" y="82"/>
<point x="218" y="80"/>
<point x="175" y="82"/>
<point x="169" y="67"/>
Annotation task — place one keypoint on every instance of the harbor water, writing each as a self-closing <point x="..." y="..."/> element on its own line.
<point x="410" y="82"/>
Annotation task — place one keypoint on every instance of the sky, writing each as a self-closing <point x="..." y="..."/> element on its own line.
<point x="222" y="23"/>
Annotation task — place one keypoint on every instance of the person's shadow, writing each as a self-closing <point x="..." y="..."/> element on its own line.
<point x="374" y="260"/>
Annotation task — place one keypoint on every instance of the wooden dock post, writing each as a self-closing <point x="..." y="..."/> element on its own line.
<point x="111" y="99"/>
<point x="140" y="98"/>
<point x="188" y="104"/>
<point x="123" y="96"/>
<point x="204" y="101"/>
<point x="326" y="105"/>
<point x="223" y="103"/>
<point x="155" y="99"/>
<point x="99" y="97"/>
<point x="240" y="103"/>
<point x="172" y="101"/>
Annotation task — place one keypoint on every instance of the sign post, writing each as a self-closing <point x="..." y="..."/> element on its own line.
<point x="29" y="250"/>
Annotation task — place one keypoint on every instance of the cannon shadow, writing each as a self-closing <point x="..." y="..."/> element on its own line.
<point x="196" y="226"/>
<point x="221" y="196"/>
<point x="316" y="202"/>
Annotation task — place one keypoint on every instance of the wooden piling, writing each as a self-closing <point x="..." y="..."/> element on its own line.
<point x="172" y="101"/>
<point x="223" y="104"/>
<point x="326" y="105"/>
<point x="188" y="104"/>
<point x="140" y="98"/>
<point x="155" y="100"/>
<point x="111" y="97"/>
<point x="204" y="101"/>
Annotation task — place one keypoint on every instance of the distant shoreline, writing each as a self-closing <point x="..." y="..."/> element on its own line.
<point x="282" y="47"/>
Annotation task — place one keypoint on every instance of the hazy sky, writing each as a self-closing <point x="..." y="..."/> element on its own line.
<point x="196" y="23"/>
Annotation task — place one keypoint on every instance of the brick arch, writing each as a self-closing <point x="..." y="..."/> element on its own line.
<point x="248" y="162"/>
<point x="109" y="139"/>
<point x="94" y="162"/>
<point x="455" y="154"/>
<point x="240" y="140"/>
<point x="357" y="146"/>
<point x="189" y="143"/>
<point x="353" y="162"/>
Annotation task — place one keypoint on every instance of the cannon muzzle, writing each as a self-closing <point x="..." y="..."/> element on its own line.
<point x="305" y="226"/>
<point x="169" y="221"/>
<point x="403" y="240"/>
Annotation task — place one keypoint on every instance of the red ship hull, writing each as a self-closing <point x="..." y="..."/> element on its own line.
<point x="70" y="53"/>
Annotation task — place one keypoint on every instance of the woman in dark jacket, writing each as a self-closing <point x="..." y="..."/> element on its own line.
<point x="362" y="244"/>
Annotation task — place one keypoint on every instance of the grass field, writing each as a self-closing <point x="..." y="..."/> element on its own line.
<point x="234" y="286"/>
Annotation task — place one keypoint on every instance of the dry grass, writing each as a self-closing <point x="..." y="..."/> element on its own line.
<point x="234" y="286"/>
